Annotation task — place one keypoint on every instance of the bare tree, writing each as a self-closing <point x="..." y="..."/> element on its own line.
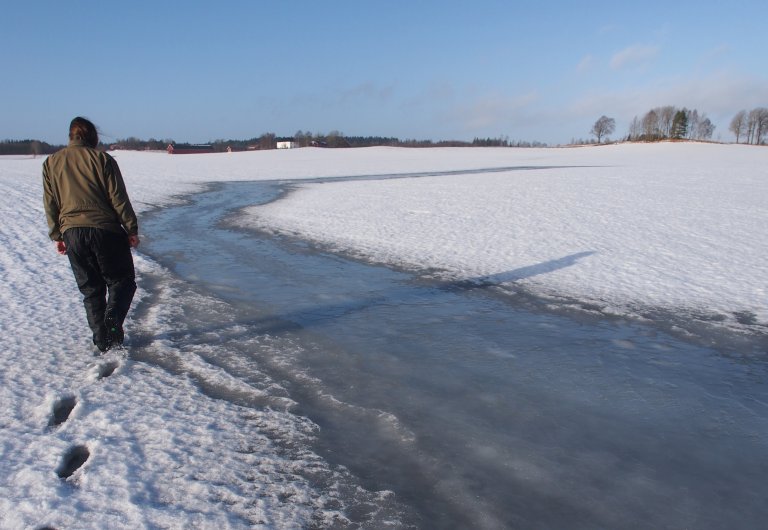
<point x="757" y="125"/>
<point x="603" y="127"/>
<point x="302" y="138"/>
<point x="693" y="123"/>
<point x="267" y="141"/>
<point x="704" y="129"/>
<point x="635" y="130"/>
<point x="650" y="126"/>
<point x="762" y="124"/>
<point x="666" y="118"/>
<point x="36" y="147"/>
<point x="739" y="124"/>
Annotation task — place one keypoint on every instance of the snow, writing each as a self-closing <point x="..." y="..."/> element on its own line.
<point x="632" y="229"/>
<point x="627" y="228"/>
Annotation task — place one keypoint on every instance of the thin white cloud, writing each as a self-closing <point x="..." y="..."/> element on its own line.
<point x="633" y="55"/>
<point x="608" y="28"/>
<point x="494" y="110"/>
<point x="585" y="64"/>
<point x="367" y="91"/>
<point x="723" y="93"/>
<point x="719" y="95"/>
<point x="716" y="54"/>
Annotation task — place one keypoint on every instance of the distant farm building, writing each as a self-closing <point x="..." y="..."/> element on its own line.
<point x="287" y="145"/>
<point x="188" y="149"/>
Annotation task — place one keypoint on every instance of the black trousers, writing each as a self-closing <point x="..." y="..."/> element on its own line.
<point x="103" y="266"/>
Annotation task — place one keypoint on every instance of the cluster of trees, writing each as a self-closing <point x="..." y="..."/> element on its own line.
<point x="136" y="144"/>
<point x="672" y="123"/>
<point x="27" y="147"/>
<point x="752" y="125"/>
<point x="503" y="141"/>
<point x="669" y="122"/>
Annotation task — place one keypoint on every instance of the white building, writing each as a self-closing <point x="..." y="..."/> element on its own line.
<point x="287" y="145"/>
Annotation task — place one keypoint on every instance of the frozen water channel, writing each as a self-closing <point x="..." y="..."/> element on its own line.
<point x="477" y="412"/>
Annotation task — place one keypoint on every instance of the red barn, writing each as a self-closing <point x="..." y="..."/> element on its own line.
<point x="188" y="149"/>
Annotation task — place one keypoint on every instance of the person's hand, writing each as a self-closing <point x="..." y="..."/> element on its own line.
<point x="134" y="240"/>
<point x="61" y="247"/>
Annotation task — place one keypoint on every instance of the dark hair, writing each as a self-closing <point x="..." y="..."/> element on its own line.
<point x="83" y="129"/>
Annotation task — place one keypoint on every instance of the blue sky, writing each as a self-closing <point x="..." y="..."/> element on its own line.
<point x="200" y="71"/>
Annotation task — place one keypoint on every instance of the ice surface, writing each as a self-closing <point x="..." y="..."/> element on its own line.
<point x="472" y="411"/>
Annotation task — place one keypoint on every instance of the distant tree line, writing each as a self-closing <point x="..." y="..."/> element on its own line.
<point x="660" y="123"/>
<point x="27" y="147"/>
<point x="136" y="144"/>
<point x="504" y="141"/>
<point x="338" y="139"/>
<point x="752" y="126"/>
<point x="333" y="139"/>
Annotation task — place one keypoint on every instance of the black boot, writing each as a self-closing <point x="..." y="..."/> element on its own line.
<point x="115" y="333"/>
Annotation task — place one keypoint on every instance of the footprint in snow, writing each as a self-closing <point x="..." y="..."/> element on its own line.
<point x="103" y="370"/>
<point x="62" y="408"/>
<point x="107" y="369"/>
<point x="72" y="461"/>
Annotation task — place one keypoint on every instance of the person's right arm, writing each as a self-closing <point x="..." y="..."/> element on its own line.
<point x="51" y="204"/>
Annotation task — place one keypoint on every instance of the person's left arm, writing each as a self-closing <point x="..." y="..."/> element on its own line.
<point x="118" y="197"/>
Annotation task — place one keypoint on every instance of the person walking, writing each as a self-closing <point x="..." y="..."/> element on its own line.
<point x="91" y="220"/>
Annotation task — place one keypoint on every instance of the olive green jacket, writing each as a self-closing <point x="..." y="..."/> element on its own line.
<point x="83" y="187"/>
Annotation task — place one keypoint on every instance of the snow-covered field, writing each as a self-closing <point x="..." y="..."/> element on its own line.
<point x="629" y="229"/>
<point x="676" y="229"/>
